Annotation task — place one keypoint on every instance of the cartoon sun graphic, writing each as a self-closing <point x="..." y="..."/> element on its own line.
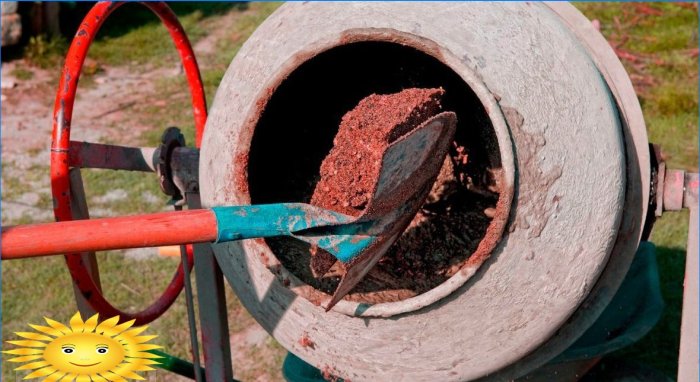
<point x="87" y="351"/>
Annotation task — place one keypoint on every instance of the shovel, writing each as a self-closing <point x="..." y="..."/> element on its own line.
<point x="409" y="167"/>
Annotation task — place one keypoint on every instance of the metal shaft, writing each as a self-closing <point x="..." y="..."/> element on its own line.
<point x="189" y="298"/>
<point x="165" y="228"/>
<point x="689" y="352"/>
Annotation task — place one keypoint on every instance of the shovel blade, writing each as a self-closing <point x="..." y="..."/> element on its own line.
<point x="409" y="168"/>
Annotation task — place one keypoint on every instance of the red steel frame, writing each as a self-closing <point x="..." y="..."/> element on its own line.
<point x="60" y="146"/>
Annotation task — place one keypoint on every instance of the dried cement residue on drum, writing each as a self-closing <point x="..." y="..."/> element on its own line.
<point x="441" y="237"/>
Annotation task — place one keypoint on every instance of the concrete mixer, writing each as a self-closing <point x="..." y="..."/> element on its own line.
<point x="544" y="191"/>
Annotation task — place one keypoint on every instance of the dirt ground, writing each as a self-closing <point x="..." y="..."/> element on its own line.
<point x="102" y="113"/>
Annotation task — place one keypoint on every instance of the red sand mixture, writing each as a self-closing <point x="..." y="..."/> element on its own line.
<point x="351" y="169"/>
<point x="439" y="240"/>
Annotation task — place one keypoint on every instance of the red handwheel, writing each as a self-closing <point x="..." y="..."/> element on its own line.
<point x="65" y="154"/>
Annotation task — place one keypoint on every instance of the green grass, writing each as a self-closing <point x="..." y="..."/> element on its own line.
<point x="44" y="51"/>
<point x="146" y="44"/>
<point x="13" y="186"/>
<point x="138" y="186"/>
<point x="129" y="284"/>
<point x="178" y="109"/>
<point x="22" y="74"/>
<point x="131" y="35"/>
<point x="663" y="46"/>
<point x="134" y="35"/>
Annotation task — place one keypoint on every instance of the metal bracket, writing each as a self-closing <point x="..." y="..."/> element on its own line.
<point x="177" y="166"/>
<point x="680" y="190"/>
<point x="212" y="309"/>
<point x="172" y="138"/>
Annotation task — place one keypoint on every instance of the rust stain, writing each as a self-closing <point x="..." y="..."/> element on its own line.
<point x="306" y="342"/>
<point x="329" y="373"/>
<point x="241" y="176"/>
<point x="265" y="260"/>
<point x="494" y="232"/>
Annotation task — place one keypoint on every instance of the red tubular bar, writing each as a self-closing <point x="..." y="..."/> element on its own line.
<point x="60" y="145"/>
<point x="165" y="228"/>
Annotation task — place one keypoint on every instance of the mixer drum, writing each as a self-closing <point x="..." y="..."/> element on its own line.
<point x="542" y="101"/>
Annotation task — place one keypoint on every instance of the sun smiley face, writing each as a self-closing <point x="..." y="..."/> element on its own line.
<point x="84" y="353"/>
